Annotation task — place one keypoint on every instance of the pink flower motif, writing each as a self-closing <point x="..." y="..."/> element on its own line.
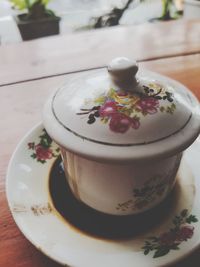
<point x="186" y="232"/>
<point x="120" y="123"/>
<point x="148" y="105"/>
<point x="168" y="238"/>
<point x="43" y="153"/>
<point x="108" y="109"/>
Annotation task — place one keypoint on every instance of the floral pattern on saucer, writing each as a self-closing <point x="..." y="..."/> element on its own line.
<point x="171" y="239"/>
<point x="43" y="150"/>
<point x="37" y="209"/>
<point x="31" y="216"/>
<point x="124" y="110"/>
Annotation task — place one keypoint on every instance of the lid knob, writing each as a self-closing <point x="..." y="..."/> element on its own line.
<point x="123" y="72"/>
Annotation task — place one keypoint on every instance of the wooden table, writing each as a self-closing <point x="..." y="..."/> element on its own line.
<point x="29" y="71"/>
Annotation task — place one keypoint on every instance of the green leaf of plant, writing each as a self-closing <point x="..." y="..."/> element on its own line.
<point x="19" y="4"/>
<point x="45" y="2"/>
<point x="50" y="13"/>
<point x="146" y="251"/>
<point x="161" y="252"/>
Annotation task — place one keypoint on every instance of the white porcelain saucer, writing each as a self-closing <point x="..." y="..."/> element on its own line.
<point x="171" y="239"/>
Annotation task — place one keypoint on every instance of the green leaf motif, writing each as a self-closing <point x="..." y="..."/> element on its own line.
<point x="100" y="100"/>
<point x="105" y="120"/>
<point x="173" y="106"/>
<point x="161" y="252"/>
<point x="191" y="219"/>
<point x="158" y="97"/>
<point x="184" y="213"/>
<point x="44" y="142"/>
<point x="41" y="161"/>
<point x="162" y="109"/>
<point x="111" y="93"/>
<point x="177" y="221"/>
<point x="146" y="89"/>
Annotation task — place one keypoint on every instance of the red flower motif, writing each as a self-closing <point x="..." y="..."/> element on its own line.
<point x="43" y="153"/>
<point x="184" y="233"/>
<point x="168" y="238"/>
<point x="108" y="109"/>
<point x="120" y="123"/>
<point x="148" y="105"/>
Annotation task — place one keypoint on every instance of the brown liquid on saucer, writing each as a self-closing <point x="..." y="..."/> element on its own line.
<point x="98" y="224"/>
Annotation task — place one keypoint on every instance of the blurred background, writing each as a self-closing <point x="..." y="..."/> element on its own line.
<point x="68" y="16"/>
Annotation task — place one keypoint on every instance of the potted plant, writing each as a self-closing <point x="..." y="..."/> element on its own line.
<point x="37" y="21"/>
<point x="192" y="9"/>
<point x="170" y="10"/>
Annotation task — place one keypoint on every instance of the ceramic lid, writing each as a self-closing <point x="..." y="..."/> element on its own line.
<point x="122" y="113"/>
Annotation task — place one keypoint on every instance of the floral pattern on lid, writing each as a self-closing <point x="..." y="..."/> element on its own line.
<point x="82" y="117"/>
<point x="124" y="110"/>
<point x="95" y="109"/>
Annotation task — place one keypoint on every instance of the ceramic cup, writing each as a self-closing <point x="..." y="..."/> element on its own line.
<point x="122" y="134"/>
<point x="120" y="189"/>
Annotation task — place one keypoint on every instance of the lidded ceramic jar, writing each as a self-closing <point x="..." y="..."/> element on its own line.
<point x="122" y="133"/>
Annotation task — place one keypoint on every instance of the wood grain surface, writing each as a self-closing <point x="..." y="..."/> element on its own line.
<point x="80" y="51"/>
<point x="21" y="108"/>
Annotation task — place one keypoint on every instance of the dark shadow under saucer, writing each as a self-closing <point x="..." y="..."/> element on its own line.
<point x="101" y="225"/>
